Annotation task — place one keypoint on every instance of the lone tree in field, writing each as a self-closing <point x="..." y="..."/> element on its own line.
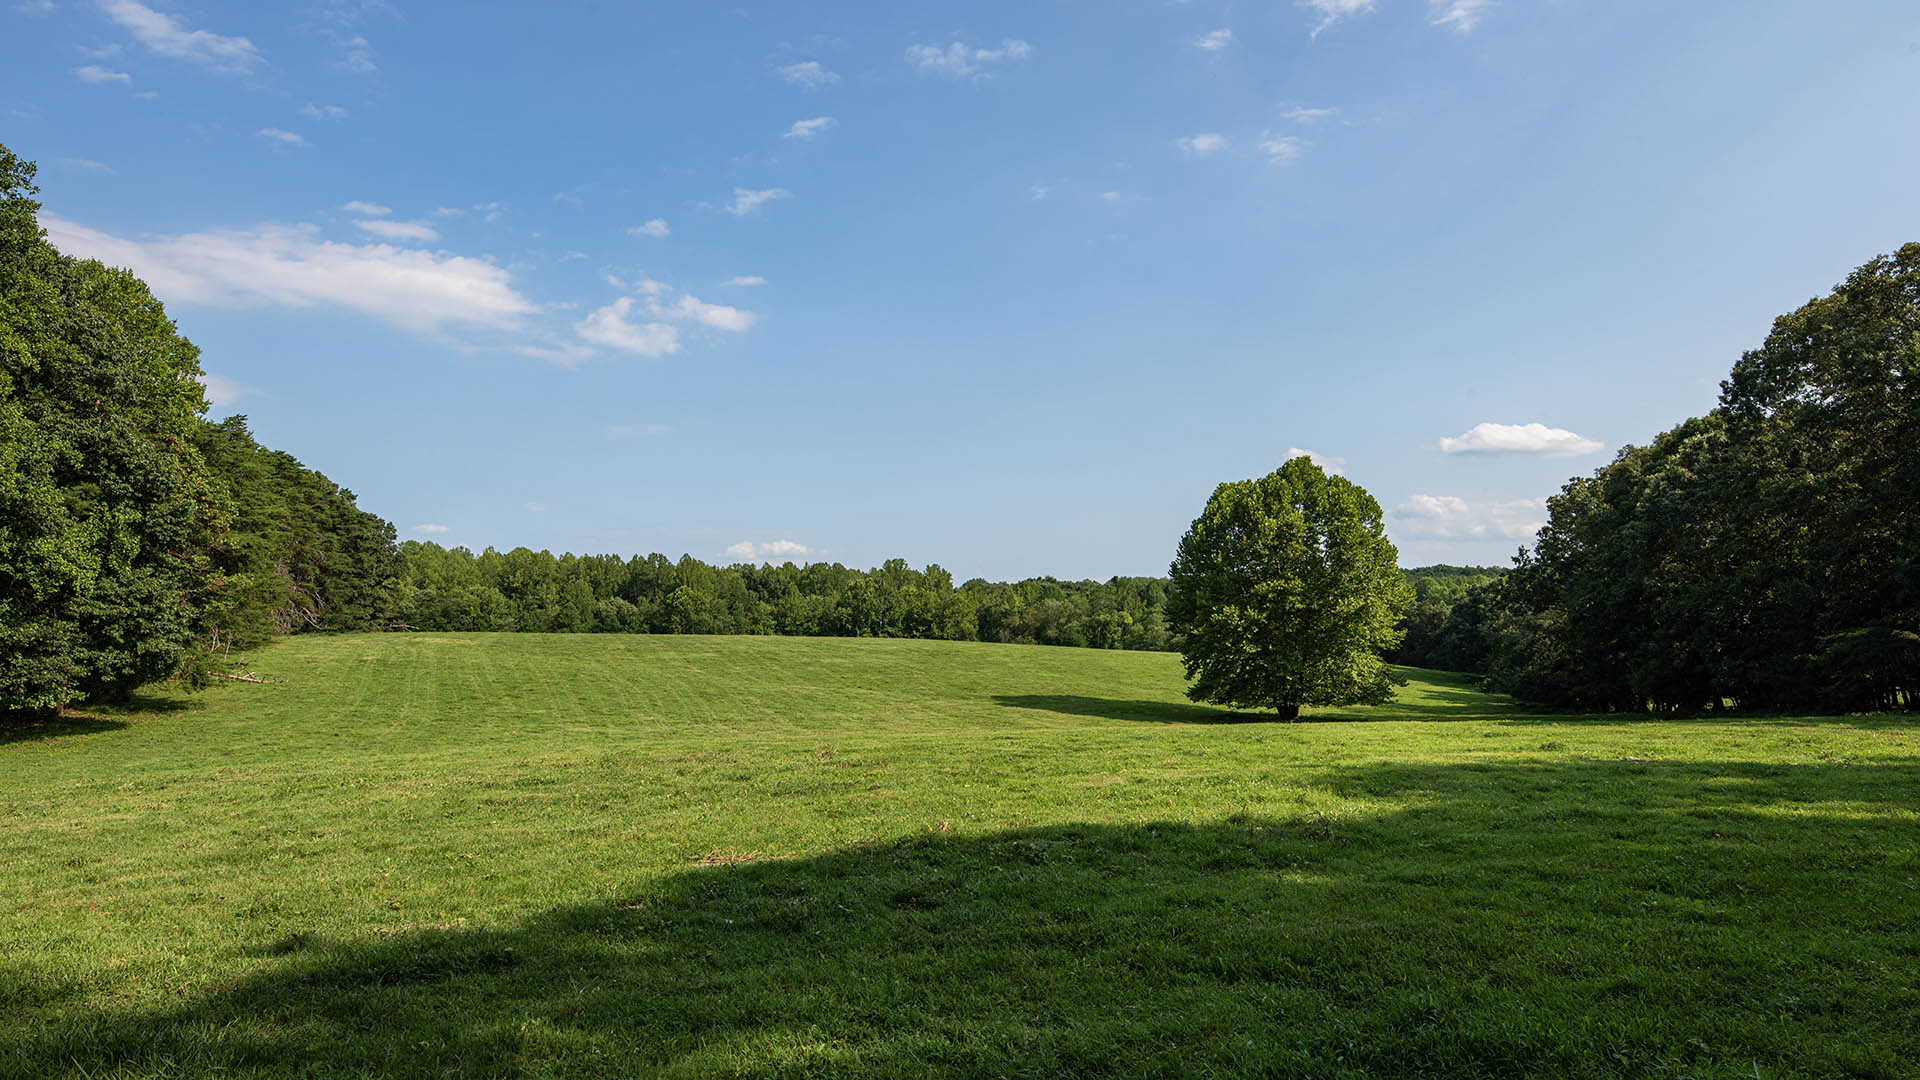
<point x="1288" y="590"/>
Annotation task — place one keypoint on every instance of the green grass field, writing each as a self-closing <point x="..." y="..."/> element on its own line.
<point x="480" y="855"/>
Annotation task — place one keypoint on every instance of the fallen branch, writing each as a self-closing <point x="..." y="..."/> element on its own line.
<point x="241" y="678"/>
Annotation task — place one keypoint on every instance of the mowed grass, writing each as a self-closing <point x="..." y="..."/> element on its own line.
<point x="481" y="855"/>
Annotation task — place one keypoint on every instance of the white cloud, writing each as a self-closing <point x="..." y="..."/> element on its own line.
<point x="1333" y="466"/>
<point x="748" y="551"/>
<point x="367" y="208"/>
<point x="1110" y="196"/>
<point x="146" y="95"/>
<point x="746" y="280"/>
<point x="167" y="36"/>
<point x="1520" y="439"/>
<point x="1461" y="15"/>
<point x="94" y="73"/>
<point x="356" y="57"/>
<point x="323" y="112"/>
<point x="1204" y="144"/>
<point x="746" y="201"/>
<point x="102" y="52"/>
<point x="1450" y="517"/>
<point x="807" y="129"/>
<point x="808" y="74"/>
<point x="614" y="327"/>
<point x="448" y="211"/>
<point x="1332" y="11"/>
<point x="1301" y="114"/>
<point x="222" y="391"/>
<point x="958" y="61"/>
<point x="418" y="232"/>
<point x="654" y="227"/>
<point x="573" y="256"/>
<point x="536" y="508"/>
<point x="431" y="529"/>
<point x="85" y="163"/>
<point x="1280" y="149"/>
<point x="290" y="266"/>
<point x="718" y="316"/>
<point x="1214" y="40"/>
<point x="287" y="137"/>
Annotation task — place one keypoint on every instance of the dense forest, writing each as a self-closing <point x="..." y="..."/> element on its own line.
<point x="1764" y="556"/>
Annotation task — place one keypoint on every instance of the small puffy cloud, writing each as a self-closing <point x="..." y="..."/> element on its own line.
<point x="1520" y="439"/>
<point x="653" y="227"/>
<point x="94" y="73"/>
<point x="290" y="266"/>
<point x="717" y="316"/>
<point x="1280" y="149"/>
<point x="746" y="280"/>
<point x="418" y="232"/>
<point x="166" y="35"/>
<point x="286" y="137"/>
<point x="807" y="129"/>
<point x="1461" y="15"/>
<point x="748" y="551"/>
<point x="428" y="528"/>
<point x="615" y="327"/>
<point x="1332" y="11"/>
<point x="957" y="61"/>
<point x="367" y="209"/>
<point x="807" y="74"/>
<point x="1332" y="466"/>
<point x="1214" y="40"/>
<point x="747" y="200"/>
<point x="222" y="391"/>
<point x="1204" y="144"/>
<point x="1450" y="517"/>
<point x="356" y="56"/>
<point x="1110" y="196"/>
<point x="448" y="211"/>
<point x="1301" y="114"/>
<point x="323" y="112"/>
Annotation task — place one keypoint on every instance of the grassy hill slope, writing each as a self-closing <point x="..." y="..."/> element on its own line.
<point x="482" y="855"/>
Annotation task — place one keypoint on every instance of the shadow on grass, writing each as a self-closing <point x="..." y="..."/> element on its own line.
<point x="1156" y="712"/>
<point x="1442" y="704"/>
<point x="1581" y="919"/>
<point x="55" y="727"/>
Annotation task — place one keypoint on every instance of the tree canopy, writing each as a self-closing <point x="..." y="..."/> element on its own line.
<point x="1287" y="591"/>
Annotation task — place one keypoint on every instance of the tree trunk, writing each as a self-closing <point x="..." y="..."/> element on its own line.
<point x="1289" y="713"/>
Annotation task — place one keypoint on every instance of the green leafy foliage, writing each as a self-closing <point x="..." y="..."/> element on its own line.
<point x="1287" y="591"/>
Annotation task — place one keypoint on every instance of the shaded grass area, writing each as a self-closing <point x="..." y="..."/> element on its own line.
<point x="485" y="856"/>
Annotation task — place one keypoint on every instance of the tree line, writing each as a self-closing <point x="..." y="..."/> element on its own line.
<point x="1764" y="556"/>
<point x="521" y="590"/>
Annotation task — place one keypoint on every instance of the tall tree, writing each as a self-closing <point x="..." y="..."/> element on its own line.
<point x="1288" y="591"/>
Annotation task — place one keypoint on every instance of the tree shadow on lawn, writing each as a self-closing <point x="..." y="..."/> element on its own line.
<point x="1452" y="705"/>
<point x="47" y="729"/>
<point x="1570" y="918"/>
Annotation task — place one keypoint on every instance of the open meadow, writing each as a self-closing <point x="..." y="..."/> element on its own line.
<point x="560" y="855"/>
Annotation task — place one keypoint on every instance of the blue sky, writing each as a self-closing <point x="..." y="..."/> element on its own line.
<point x="1008" y="287"/>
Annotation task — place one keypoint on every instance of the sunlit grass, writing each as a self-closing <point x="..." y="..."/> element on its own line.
<point x="534" y="855"/>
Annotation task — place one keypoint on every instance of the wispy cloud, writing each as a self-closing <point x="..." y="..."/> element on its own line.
<point x="287" y="137"/>
<point x="746" y="280"/>
<point x="652" y="227"/>
<point x="1280" y="148"/>
<point x="222" y="391"/>
<point x="1214" y="40"/>
<point x="1201" y="145"/>
<point x="1450" y="517"/>
<point x="94" y="73"/>
<point x="85" y="163"/>
<point x="418" y="232"/>
<point x="1332" y="11"/>
<point x="1334" y="466"/>
<point x="749" y="200"/>
<point x="958" y="61"/>
<point x="290" y="266"/>
<point x="368" y="209"/>
<point x="35" y="8"/>
<point x="1520" y="439"/>
<point x="323" y="112"/>
<point x="807" y="129"/>
<point x="1301" y="114"/>
<point x="1461" y="15"/>
<point x="429" y="528"/>
<point x="166" y="35"/>
<point x="634" y="431"/>
<point x="807" y="74"/>
<point x="616" y="327"/>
